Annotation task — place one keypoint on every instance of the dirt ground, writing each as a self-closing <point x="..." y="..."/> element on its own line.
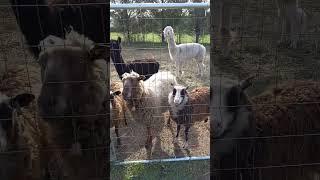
<point x="133" y="136"/>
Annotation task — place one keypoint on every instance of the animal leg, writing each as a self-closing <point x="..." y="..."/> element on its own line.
<point x="148" y="142"/>
<point x="180" y="69"/>
<point x="177" y="69"/>
<point x="117" y="133"/>
<point x="168" y="120"/>
<point x="178" y="130"/>
<point x="186" y="132"/>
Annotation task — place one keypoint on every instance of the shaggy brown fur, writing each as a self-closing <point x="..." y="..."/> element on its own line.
<point x="199" y="99"/>
<point x="295" y="114"/>
<point x="78" y="90"/>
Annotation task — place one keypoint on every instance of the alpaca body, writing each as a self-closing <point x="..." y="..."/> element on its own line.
<point x="184" y="53"/>
<point x="146" y="67"/>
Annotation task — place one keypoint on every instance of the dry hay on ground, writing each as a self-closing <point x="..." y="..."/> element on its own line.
<point x="134" y="135"/>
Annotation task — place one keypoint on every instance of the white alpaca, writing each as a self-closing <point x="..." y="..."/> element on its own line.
<point x="183" y="52"/>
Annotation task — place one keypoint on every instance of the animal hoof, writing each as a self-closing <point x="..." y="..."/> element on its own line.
<point x="175" y="140"/>
<point x="186" y="145"/>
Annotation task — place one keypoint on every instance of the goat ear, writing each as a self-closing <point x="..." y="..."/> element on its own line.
<point x="98" y="52"/>
<point x="187" y="88"/>
<point x="172" y="84"/>
<point x="22" y="100"/>
<point x="142" y="77"/>
<point x="119" y="40"/>
<point x="247" y="82"/>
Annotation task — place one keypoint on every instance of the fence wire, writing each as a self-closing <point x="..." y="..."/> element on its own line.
<point x="276" y="42"/>
<point x="142" y="38"/>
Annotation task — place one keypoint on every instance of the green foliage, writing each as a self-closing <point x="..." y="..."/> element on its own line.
<point x="165" y="170"/>
<point x="184" y="21"/>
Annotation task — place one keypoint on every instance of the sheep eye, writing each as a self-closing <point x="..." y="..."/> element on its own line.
<point x="174" y="92"/>
<point x="182" y="92"/>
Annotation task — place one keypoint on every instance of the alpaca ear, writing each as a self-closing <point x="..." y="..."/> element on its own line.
<point x="142" y="77"/>
<point x="119" y="40"/>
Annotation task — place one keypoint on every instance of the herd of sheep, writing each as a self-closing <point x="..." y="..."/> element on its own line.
<point x="261" y="137"/>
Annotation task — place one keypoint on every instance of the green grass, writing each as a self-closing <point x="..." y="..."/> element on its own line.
<point x="166" y="170"/>
<point x="153" y="38"/>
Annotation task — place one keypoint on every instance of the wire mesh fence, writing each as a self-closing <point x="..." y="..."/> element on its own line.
<point x="276" y="43"/>
<point x="53" y="84"/>
<point x="140" y="43"/>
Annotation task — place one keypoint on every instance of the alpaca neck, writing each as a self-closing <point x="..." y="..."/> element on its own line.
<point x="171" y="43"/>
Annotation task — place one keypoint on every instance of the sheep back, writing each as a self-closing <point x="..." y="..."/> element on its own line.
<point x="292" y="115"/>
<point x="199" y="99"/>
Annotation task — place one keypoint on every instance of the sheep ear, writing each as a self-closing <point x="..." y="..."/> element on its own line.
<point x="98" y="52"/>
<point x="142" y="77"/>
<point x="246" y="83"/>
<point x="119" y="40"/>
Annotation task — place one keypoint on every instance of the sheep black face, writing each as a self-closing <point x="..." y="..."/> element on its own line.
<point x="131" y="86"/>
<point x="7" y="108"/>
<point x="178" y="96"/>
<point x="229" y="99"/>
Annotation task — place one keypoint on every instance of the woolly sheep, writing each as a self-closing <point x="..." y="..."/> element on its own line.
<point x="144" y="98"/>
<point x="146" y="67"/>
<point x="288" y="114"/>
<point x="280" y="118"/>
<point x="187" y="108"/>
<point x="71" y="101"/>
<point x="118" y="110"/>
<point x="17" y="132"/>
<point x="182" y="53"/>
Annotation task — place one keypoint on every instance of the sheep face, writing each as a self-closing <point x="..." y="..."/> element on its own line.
<point x="168" y="32"/>
<point x="178" y="96"/>
<point x="67" y="82"/>
<point x="7" y="108"/>
<point x="132" y="86"/>
<point x="227" y="100"/>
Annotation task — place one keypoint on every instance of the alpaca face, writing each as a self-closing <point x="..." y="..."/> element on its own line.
<point x="7" y="108"/>
<point x="227" y="100"/>
<point x="168" y="32"/>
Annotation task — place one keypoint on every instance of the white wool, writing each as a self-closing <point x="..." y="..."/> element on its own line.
<point x="184" y="53"/>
